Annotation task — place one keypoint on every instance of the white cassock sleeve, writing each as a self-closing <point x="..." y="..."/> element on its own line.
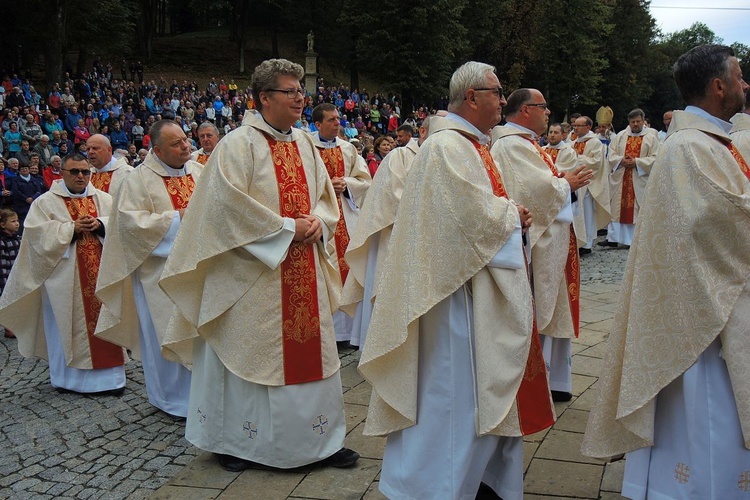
<point x="641" y="172"/>
<point x="165" y="245"/>
<point x="510" y="255"/>
<point x="566" y="212"/>
<point x="272" y="249"/>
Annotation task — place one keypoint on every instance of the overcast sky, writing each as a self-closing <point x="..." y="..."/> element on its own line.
<point x="728" y="19"/>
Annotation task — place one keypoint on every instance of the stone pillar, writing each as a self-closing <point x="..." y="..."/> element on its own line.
<point x="311" y="72"/>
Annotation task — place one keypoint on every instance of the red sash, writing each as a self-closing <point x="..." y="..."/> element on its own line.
<point x="579" y="147"/>
<point x="533" y="398"/>
<point x="627" y="198"/>
<point x="572" y="274"/>
<point x="202" y="158"/>
<point x="552" y="152"/>
<point x="102" y="180"/>
<point x="88" y="258"/>
<point x="180" y="189"/>
<point x="334" y="161"/>
<point x="300" y="317"/>
<point x="740" y="160"/>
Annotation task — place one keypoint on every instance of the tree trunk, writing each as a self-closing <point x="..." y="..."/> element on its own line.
<point x="83" y="54"/>
<point x="146" y="28"/>
<point x="54" y="52"/>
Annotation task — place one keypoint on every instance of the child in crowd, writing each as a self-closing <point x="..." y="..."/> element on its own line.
<point x="10" y="242"/>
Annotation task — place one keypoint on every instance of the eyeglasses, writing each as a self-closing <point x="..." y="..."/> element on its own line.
<point x="542" y="105"/>
<point x="496" y="91"/>
<point x="290" y="93"/>
<point x="75" y="172"/>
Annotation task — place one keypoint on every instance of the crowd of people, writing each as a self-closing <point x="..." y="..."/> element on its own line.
<point x="446" y="246"/>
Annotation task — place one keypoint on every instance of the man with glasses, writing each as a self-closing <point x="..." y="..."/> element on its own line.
<point x="49" y="299"/>
<point x="631" y="155"/>
<point x="592" y="154"/>
<point x="149" y="210"/>
<point x="533" y="180"/>
<point x="255" y="298"/>
<point x="457" y="372"/>
<point x="107" y="172"/>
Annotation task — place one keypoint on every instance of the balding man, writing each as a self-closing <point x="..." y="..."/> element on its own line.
<point x="208" y="136"/>
<point x="667" y="119"/>
<point x="532" y="179"/>
<point x="144" y="224"/>
<point x="107" y="172"/>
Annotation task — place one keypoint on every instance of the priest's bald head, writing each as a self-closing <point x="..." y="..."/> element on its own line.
<point x="171" y="145"/>
<point x="98" y="150"/>
<point x="709" y="77"/>
<point x="528" y="108"/>
<point x="476" y="95"/>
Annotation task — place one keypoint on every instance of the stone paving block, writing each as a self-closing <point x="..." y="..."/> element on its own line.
<point x="526" y="496"/>
<point x="339" y="484"/>
<point x="366" y="446"/>
<point x="594" y="316"/>
<point x="604" y="327"/>
<point x="204" y="472"/>
<point x="355" y="415"/>
<point x="551" y="477"/>
<point x="373" y="493"/>
<point x="581" y="383"/>
<point x="529" y="449"/>
<point x="595" y="351"/>
<point x="613" y="475"/>
<point x="563" y="445"/>
<point x="572" y="420"/>
<point x="537" y="436"/>
<point x="585" y="400"/>
<point x="358" y="395"/>
<point x="262" y="485"/>
<point x="350" y="377"/>
<point x="171" y="492"/>
<point x="584" y="365"/>
<point x="606" y="495"/>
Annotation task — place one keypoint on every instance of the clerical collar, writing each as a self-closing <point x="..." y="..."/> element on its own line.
<point x="725" y="126"/>
<point x="171" y="171"/>
<point x="522" y="129"/>
<point x="586" y="137"/>
<point x="327" y="143"/>
<point x="75" y="195"/>
<point x="109" y="166"/>
<point x="481" y="136"/>
<point x="284" y="132"/>
<point x="559" y="145"/>
<point x="643" y="131"/>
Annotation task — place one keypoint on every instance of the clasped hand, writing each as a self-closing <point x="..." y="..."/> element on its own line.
<point x="308" y="229"/>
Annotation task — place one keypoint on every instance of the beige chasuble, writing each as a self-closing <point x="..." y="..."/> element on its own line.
<point x="631" y="185"/>
<point x="683" y="284"/>
<point x="740" y="133"/>
<point x="109" y="181"/>
<point x="592" y="153"/>
<point x="566" y="160"/>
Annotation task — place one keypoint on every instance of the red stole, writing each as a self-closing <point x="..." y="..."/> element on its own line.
<point x="300" y="317"/>
<point x="88" y="258"/>
<point x="627" y="198"/>
<point x="202" y="158"/>
<point x="740" y="160"/>
<point x="334" y="161"/>
<point x="533" y="397"/>
<point x="180" y="189"/>
<point x="102" y="180"/>
<point x="552" y="152"/>
<point x="579" y="147"/>
<point x="572" y="269"/>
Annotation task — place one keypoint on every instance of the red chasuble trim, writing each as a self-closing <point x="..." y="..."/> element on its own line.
<point x="334" y="161"/>
<point x="572" y="274"/>
<point x="180" y="189"/>
<point x="578" y="147"/>
<point x="300" y="317"/>
<point x="202" y="158"/>
<point x="627" y="199"/>
<point x="535" y="410"/>
<point x="740" y="160"/>
<point x="88" y="258"/>
<point x="102" y="180"/>
<point x="552" y="152"/>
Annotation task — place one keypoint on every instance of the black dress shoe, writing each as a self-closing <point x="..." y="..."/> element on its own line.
<point x="341" y="459"/>
<point x="236" y="464"/>
<point x="611" y="244"/>
<point x="113" y="392"/>
<point x="601" y="232"/>
<point x="584" y="251"/>
<point x="561" y="397"/>
<point x="486" y="493"/>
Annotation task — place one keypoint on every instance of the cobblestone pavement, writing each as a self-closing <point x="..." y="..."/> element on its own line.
<point x="56" y="445"/>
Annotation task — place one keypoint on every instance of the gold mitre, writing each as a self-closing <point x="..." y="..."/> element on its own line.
<point x="604" y="115"/>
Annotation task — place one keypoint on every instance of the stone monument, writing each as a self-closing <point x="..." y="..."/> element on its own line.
<point x="311" y="65"/>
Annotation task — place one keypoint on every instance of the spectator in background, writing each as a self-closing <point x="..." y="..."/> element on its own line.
<point x="382" y="147"/>
<point x="118" y="138"/>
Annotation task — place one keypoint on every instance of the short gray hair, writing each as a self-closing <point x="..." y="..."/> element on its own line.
<point x="266" y="74"/>
<point x="470" y="75"/>
<point x="208" y="124"/>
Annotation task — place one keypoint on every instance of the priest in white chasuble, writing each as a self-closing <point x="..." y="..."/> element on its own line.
<point x="254" y="300"/>
<point x="566" y="160"/>
<point x="673" y="387"/>
<point x="208" y="136"/>
<point x="147" y="216"/>
<point x="351" y="179"/>
<point x="368" y="248"/>
<point x="532" y="179"/>
<point x="457" y="373"/>
<point x="107" y="172"/>
<point x="741" y="131"/>
<point x="631" y="155"/>
<point x="49" y="299"/>
<point x="592" y="153"/>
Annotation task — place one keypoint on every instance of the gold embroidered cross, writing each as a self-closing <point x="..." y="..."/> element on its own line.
<point x="682" y="473"/>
